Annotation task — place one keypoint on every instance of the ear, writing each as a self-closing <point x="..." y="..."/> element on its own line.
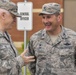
<point x="3" y="15"/>
<point x="59" y="17"/>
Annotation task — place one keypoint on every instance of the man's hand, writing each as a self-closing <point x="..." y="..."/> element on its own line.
<point x="27" y="59"/>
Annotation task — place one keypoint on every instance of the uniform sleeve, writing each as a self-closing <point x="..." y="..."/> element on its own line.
<point x="7" y="65"/>
<point x="8" y="62"/>
<point x="31" y="66"/>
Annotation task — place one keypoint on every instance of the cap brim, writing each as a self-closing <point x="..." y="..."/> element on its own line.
<point x="42" y="13"/>
<point x="16" y="14"/>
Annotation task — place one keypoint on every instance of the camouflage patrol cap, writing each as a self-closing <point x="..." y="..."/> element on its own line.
<point x="50" y="8"/>
<point x="9" y="6"/>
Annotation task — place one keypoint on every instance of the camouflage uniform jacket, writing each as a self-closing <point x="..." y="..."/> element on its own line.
<point x="10" y="62"/>
<point x="53" y="58"/>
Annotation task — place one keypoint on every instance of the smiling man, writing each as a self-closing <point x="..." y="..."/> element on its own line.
<point x="54" y="47"/>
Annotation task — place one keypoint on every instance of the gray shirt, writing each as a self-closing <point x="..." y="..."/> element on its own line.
<point x="10" y="62"/>
<point x="57" y="58"/>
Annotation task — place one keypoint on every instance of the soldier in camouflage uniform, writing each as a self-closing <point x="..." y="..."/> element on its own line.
<point x="10" y="62"/>
<point x="54" y="47"/>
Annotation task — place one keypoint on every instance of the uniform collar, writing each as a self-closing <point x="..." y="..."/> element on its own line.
<point x="5" y="35"/>
<point x="63" y="35"/>
<point x="1" y="33"/>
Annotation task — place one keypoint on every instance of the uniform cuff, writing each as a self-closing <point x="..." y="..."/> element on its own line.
<point x="20" y="61"/>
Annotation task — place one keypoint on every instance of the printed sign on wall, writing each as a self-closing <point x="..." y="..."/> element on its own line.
<point x="25" y="11"/>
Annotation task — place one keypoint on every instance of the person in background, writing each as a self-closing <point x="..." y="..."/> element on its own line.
<point x="54" y="47"/>
<point x="10" y="62"/>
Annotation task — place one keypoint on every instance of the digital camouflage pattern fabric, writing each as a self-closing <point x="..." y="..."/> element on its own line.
<point x="57" y="58"/>
<point x="50" y="8"/>
<point x="9" y="6"/>
<point x="10" y="62"/>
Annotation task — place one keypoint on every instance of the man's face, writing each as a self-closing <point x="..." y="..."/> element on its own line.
<point x="51" y="22"/>
<point x="9" y="20"/>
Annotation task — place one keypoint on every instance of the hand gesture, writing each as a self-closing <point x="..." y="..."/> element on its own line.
<point x="27" y="59"/>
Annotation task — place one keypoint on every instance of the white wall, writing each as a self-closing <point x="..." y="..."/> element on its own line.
<point x="70" y="14"/>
